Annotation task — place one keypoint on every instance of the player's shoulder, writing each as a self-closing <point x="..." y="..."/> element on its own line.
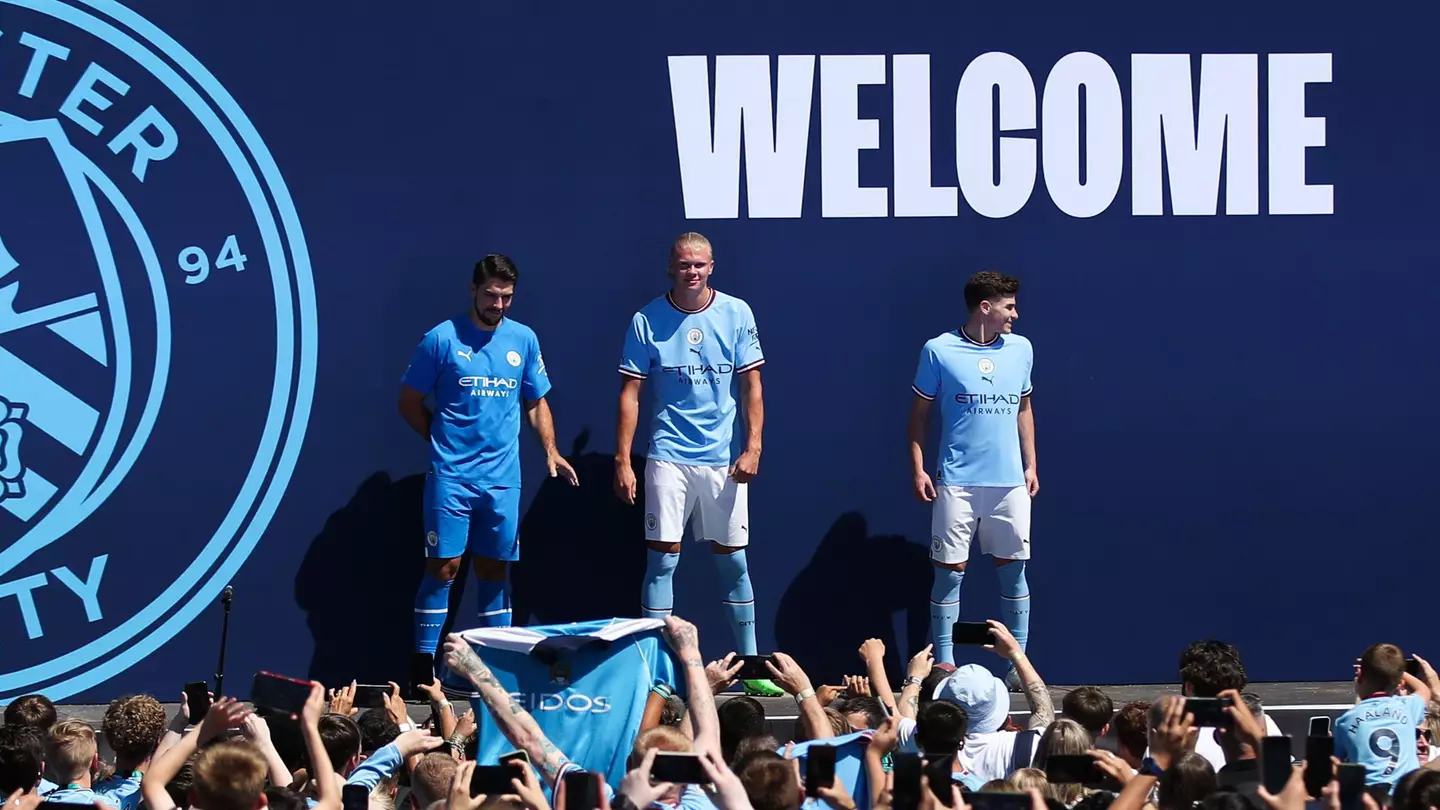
<point x="518" y="330"/>
<point x="1018" y="342"/>
<point x="445" y="330"/>
<point x="730" y="305"/>
<point x="944" y="340"/>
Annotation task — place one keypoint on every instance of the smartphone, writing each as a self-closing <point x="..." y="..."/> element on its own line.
<point x="1351" y="776"/>
<point x="492" y="780"/>
<point x="678" y="768"/>
<point x="515" y="756"/>
<point x="1210" y="712"/>
<point x="286" y="695"/>
<point x="906" y="791"/>
<point x="972" y="633"/>
<point x="1320" y="726"/>
<point x="371" y="695"/>
<point x="1319" y="770"/>
<point x="1275" y="763"/>
<point x="998" y="801"/>
<point x="752" y="668"/>
<point x="937" y="769"/>
<point x="1412" y="667"/>
<point x="422" y="673"/>
<point x="582" y="790"/>
<point x="819" y="768"/>
<point x="1073" y="769"/>
<point x="197" y="697"/>
<point x="354" y="797"/>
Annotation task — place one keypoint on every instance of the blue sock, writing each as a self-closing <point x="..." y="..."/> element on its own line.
<point x="493" y="597"/>
<point x="739" y="599"/>
<point x="657" y="596"/>
<point x="944" y="612"/>
<point x="1015" y="600"/>
<point x="432" y="602"/>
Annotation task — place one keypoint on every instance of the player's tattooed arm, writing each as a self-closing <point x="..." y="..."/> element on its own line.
<point x="518" y="726"/>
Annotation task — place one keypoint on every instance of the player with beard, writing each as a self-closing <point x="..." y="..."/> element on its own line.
<point x="482" y="370"/>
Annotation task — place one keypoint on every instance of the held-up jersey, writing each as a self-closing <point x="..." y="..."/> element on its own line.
<point x="979" y="387"/>
<point x="693" y="361"/>
<point x="585" y="684"/>
<point x="479" y="381"/>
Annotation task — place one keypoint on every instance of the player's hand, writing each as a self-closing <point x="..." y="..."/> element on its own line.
<point x="746" y="467"/>
<point x="625" y="482"/>
<point x="924" y="487"/>
<point x="559" y="466"/>
<point x="1032" y="482"/>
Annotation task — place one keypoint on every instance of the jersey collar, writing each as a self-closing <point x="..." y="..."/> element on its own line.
<point x="973" y="342"/>
<point x="708" y="302"/>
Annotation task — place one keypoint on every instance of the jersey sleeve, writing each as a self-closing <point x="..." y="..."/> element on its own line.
<point x="635" y="358"/>
<point x="1026" y="387"/>
<point x="535" y="382"/>
<point x="927" y="375"/>
<point x="748" y="354"/>
<point x="424" y="368"/>
<point x="1417" y="709"/>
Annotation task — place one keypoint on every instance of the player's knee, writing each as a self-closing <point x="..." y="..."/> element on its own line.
<point x="716" y="548"/>
<point x="667" y="548"/>
<point x="960" y="566"/>
<point x="489" y="570"/>
<point x="1001" y="562"/>
<point x="442" y="569"/>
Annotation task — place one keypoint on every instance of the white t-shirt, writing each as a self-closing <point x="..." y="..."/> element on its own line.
<point x="990" y="754"/>
<point x="1207" y="746"/>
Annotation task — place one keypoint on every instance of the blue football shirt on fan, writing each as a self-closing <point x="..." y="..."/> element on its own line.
<point x="479" y="380"/>
<point x="1379" y="733"/>
<point x="849" y="765"/>
<point x="585" y="684"/>
<point x="979" y="386"/>
<point x="692" y="361"/>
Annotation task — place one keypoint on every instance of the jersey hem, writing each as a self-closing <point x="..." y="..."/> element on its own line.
<point x="750" y="367"/>
<point x="922" y="394"/>
<point x="632" y="374"/>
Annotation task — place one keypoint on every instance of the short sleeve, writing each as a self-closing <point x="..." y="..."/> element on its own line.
<point x="424" y="368"/>
<point x="748" y="354"/>
<point x="635" y="358"/>
<point x="1027" y="386"/>
<point x="1417" y="709"/>
<point x="927" y="375"/>
<point x="536" y="381"/>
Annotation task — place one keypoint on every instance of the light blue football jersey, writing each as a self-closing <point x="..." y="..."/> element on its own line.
<point x="479" y="380"/>
<point x="693" y="362"/>
<point x="1379" y="733"/>
<point x="979" y="388"/>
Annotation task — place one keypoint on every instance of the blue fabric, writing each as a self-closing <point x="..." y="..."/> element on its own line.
<point x="692" y="361"/>
<point x="979" y="388"/>
<point x="1015" y="600"/>
<point x="849" y="766"/>
<point x="461" y="516"/>
<point x="378" y="767"/>
<point x="479" y="380"/>
<point x="493" y="598"/>
<point x="944" y="612"/>
<point x="739" y="599"/>
<point x="1379" y="733"/>
<point x="588" y="695"/>
<point x="657" y="595"/>
<point x="432" y="603"/>
<point x="121" y="792"/>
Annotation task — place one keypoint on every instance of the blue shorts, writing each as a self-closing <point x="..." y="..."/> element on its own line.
<point x="460" y="517"/>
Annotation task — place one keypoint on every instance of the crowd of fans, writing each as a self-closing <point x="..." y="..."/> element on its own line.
<point x="957" y="721"/>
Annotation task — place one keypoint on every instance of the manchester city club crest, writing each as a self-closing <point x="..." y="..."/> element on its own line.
<point x="157" y="341"/>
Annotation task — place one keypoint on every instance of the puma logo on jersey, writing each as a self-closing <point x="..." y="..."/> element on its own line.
<point x="987" y="379"/>
<point x="465" y="355"/>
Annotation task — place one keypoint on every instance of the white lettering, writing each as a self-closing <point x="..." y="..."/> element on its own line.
<point x="85" y="93"/>
<point x="1291" y="132"/>
<point x="88" y="590"/>
<point x="21" y="590"/>
<point x="44" y="50"/>
<point x="843" y="133"/>
<point x="775" y="145"/>
<point x="134" y="135"/>
<point x="1228" y="127"/>
<point x="914" y="196"/>
<point x="974" y="123"/>
<point x="1104" y="135"/>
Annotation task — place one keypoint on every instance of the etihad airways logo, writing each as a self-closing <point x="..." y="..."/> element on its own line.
<point x="1069" y="135"/>
<point x="489" y="386"/>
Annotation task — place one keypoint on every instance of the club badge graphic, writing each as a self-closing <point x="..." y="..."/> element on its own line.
<point x="157" y="341"/>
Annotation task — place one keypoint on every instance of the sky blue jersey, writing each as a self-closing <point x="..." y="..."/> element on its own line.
<point x="1379" y="733"/>
<point x="979" y="388"/>
<point x="693" y="362"/>
<point x="479" y="380"/>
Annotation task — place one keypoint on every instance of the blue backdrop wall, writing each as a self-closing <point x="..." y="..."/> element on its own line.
<point x="225" y="225"/>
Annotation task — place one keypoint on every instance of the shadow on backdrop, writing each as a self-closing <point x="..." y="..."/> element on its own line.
<point x="834" y="604"/>
<point x="581" y="550"/>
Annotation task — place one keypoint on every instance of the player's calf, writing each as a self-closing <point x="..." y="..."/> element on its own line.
<point x="493" y="592"/>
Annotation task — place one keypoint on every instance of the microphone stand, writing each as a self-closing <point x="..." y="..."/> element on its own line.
<point x="225" y="598"/>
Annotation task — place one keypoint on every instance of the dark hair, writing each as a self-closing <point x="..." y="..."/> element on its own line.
<point x="1101" y="800"/>
<point x="1226" y="800"/>
<point x="283" y="798"/>
<point x="495" y="266"/>
<point x="740" y="717"/>
<point x="1382" y="668"/>
<point x="1132" y="727"/>
<point x="987" y="285"/>
<point x="133" y="726"/>
<point x="22" y="754"/>
<point x="341" y="738"/>
<point x="769" y="781"/>
<point x="1211" y="667"/>
<point x="1090" y="707"/>
<point x="35" y="711"/>
<point x="1417" y="790"/>
<point x="868" y="706"/>
<point x="930" y="682"/>
<point x="941" y="727"/>
<point x="1190" y="779"/>
<point x="760" y="742"/>
<point x="377" y="730"/>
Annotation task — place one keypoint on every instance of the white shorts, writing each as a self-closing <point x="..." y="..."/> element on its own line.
<point x="1000" y="514"/>
<point x="675" y="492"/>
